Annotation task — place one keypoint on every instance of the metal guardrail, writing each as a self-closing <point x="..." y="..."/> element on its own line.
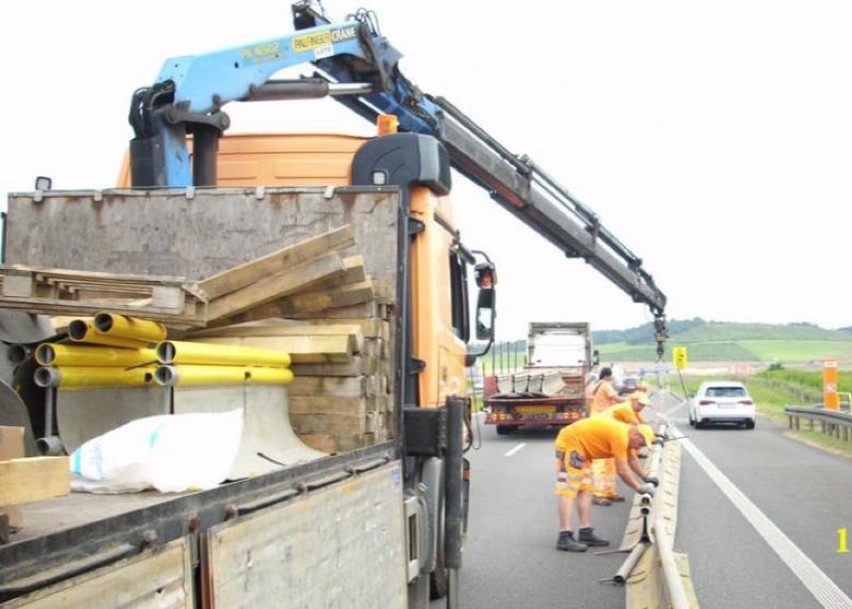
<point x="837" y="423"/>
<point x="656" y="576"/>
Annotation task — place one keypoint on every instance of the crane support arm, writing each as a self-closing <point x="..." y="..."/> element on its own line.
<point x="356" y="64"/>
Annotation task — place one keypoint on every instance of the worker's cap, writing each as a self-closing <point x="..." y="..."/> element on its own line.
<point x="647" y="433"/>
<point x="641" y="396"/>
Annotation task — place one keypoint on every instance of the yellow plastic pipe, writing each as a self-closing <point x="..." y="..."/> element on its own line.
<point x="52" y="354"/>
<point x="195" y="375"/>
<point x="185" y="352"/>
<point x="83" y="331"/>
<point x="129" y="327"/>
<point x="93" y="376"/>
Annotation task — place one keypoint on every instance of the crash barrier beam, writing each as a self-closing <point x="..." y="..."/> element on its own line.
<point x="832" y="422"/>
<point x="659" y="579"/>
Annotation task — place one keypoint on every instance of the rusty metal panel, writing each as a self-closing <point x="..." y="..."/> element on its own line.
<point x="158" y="579"/>
<point x="194" y="233"/>
<point x="338" y="547"/>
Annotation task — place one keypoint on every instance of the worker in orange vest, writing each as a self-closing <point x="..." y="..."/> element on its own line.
<point x="601" y="396"/>
<point x="577" y="446"/>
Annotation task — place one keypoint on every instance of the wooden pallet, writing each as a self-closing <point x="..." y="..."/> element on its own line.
<point x="173" y="301"/>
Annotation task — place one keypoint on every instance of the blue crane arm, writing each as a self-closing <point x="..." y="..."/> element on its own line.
<point x="190" y="91"/>
<point x="358" y="66"/>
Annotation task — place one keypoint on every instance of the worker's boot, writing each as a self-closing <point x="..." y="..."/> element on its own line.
<point x="566" y="543"/>
<point x="587" y="536"/>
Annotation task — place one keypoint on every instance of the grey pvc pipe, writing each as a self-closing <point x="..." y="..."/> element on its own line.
<point x="630" y="562"/>
<point x="50" y="446"/>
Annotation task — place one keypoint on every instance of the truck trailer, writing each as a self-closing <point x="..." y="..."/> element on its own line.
<point x="550" y="387"/>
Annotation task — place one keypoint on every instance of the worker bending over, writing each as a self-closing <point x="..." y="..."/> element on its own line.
<point x="577" y="445"/>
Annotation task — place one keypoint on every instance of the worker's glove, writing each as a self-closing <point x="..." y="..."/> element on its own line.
<point x="652" y="480"/>
<point x="646" y="489"/>
<point x="660" y="439"/>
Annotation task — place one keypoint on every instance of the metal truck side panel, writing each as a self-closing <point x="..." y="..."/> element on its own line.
<point x="342" y="546"/>
<point x="194" y="234"/>
<point x="159" y="579"/>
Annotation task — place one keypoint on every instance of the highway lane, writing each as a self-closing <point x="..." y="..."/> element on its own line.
<point x="767" y="537"/>
<point x="758" y="517"/>
<point x="510" y="559"/>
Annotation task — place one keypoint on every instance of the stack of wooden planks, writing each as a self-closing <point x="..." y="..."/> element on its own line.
<point x="76" y="293"/>
<point x="322" y="308"/>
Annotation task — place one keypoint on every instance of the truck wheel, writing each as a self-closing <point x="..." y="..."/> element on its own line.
<point x="438" y="579"/>
<point x="504" y="430"/>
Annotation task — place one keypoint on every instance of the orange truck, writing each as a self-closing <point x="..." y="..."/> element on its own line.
<point x="379" y="518"/>
<point x="549" y="390"/>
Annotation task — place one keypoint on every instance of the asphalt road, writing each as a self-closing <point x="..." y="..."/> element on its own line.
<point x="510" y="559"/>
<point x="768" y="536"/>
<point x="758" y="517"/>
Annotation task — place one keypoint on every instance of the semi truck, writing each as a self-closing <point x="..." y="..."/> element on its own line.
<point x="379" y="518"/>
<point x="550" y="387"/>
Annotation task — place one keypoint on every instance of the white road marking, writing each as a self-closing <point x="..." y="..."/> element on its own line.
<point x="829" y="595"/>
<point x="514" y="450"/>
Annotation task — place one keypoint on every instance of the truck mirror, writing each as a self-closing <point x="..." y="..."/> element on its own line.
<point x="485" y="275"/>
<point x="485" y="314"/>
<point x="596" y="357"/>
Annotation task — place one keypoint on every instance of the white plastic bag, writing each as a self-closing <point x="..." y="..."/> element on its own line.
<point x="171" y="453"/>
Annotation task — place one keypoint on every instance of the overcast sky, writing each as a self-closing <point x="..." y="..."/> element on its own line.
<point x="713" y="139"/>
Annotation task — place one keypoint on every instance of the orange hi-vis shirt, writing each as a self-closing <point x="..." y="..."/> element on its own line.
<point x="603" y="396"/>
<point x="623" y="411"/>
<point x="595" y="438"/>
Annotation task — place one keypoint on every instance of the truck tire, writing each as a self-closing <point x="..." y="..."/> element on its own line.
<point x="504" y="430"/>
<point x="439" y="579"/>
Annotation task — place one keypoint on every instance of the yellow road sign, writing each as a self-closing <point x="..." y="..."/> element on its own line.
<point x="679" y="357"/>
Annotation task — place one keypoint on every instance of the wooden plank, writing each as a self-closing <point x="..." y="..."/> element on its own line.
<point x="302" y="350"/>
<point x="352" y="406"/>
<point x="334" y="444"/>
<point x="172" y="300"/>
<point x="309" y="386"/>
<point x="364" y="309"/>
<point x="33" y="479"/>
<point x="278" y="285"/>
<point x="192" y="315"/>
<point x="281" y="327"/>
<point x="284" y="259"/>
<point x="372" y="327"/>
<point x="334" y="424"/>
<point x="343" y="296"/>
<point x="353" y="272"/>
<point x="359" y="364"/>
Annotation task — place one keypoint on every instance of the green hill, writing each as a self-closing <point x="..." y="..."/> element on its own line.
<point x="728" y="341"/>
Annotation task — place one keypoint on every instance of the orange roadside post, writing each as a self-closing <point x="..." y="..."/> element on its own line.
<point x="830" y="398"/>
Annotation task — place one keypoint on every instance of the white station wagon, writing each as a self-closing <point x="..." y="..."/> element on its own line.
<point x="722" y="402"/>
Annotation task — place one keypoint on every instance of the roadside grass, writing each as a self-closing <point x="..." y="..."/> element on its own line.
<point x="773" y="391"/>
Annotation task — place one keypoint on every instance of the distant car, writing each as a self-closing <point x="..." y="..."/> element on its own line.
<point x="628" y="385"/>
<point x="722" y="402"/>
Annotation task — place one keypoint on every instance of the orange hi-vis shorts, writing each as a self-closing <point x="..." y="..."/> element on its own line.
<point x="573" y="474"/>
